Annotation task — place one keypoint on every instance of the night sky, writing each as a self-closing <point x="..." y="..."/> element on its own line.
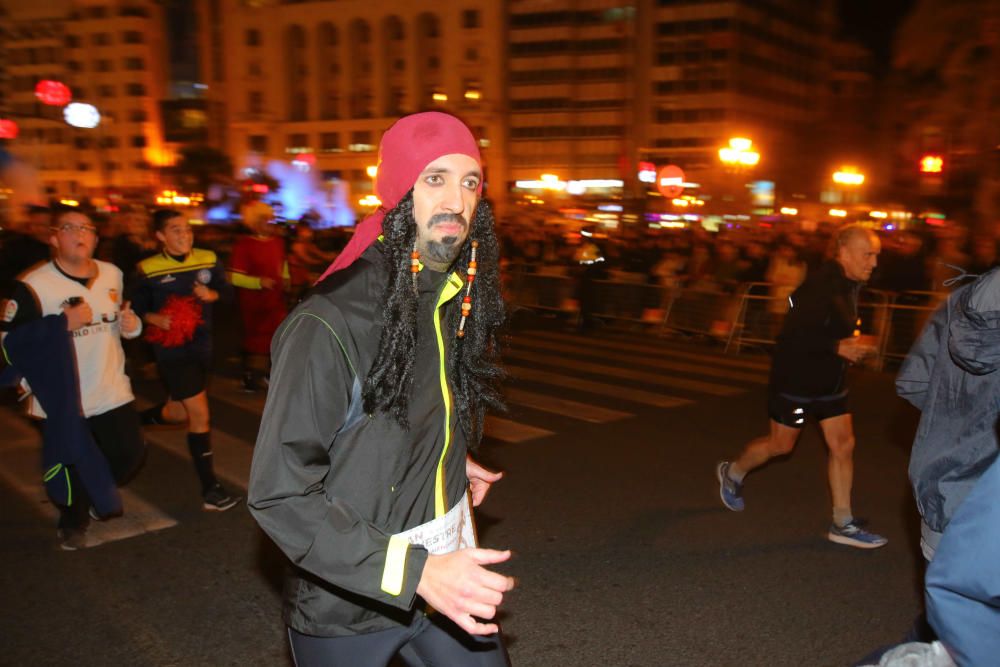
<point x="873" y="24"/>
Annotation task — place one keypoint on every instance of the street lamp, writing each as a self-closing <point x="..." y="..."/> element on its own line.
<point x="739" y="153"/>
<point x="848" y="175"/>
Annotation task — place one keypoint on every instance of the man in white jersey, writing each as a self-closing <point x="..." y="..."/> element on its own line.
<point x="89" y="293"/>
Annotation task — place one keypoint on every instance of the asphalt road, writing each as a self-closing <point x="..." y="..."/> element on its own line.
<point x="623" y="553"/>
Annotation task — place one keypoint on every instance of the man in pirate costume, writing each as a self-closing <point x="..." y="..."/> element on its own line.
<point x="174" y="291"/>
<point x="379" y="383"/>
<point x="87" y="294"/>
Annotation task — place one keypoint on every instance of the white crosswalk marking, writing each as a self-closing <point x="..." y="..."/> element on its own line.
<point x="660" y="348"/>
<point x="565" y="407"/>
<point x="21" y="472"/>
<point x="661" y="379"/>
<point x="598" y="374"/>
<point x="511" y="431"/>
<point x="594" y="387"/>
<point x="648" y="361"/>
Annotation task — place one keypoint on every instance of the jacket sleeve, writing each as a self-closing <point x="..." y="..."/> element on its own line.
<point x="220" y="282"/>
<point x="239" y="267"/>
<point x="140" y="293"/>
<point x="914" y="376"/>
<point x="308" y="400"/>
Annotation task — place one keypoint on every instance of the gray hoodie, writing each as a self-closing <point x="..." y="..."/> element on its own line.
<point x="949" y="375"/>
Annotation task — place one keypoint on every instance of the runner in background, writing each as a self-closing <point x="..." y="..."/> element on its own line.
<point x="174" y="294"/>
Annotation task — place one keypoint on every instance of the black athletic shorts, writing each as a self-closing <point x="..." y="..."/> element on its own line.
<point x="184" y="378"/>
<point x="794" y="410"/>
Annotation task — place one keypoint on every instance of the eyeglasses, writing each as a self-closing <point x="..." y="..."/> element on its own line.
<point x="70" y="228"/>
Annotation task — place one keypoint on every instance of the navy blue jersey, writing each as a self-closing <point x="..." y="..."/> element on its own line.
<point x="161" y="276"/>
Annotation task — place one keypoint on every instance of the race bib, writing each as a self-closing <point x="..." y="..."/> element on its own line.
<point x="447" y="533"/>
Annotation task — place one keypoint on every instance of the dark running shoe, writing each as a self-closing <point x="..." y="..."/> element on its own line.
<point x="217" y="499"/>
<point x="249" y="384"/>
<point x="853" y="535"/>
<point x="72" y="539"/>
<point x="730" y="491"/>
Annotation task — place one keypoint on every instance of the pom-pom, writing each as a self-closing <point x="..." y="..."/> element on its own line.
<point x="185" y="315"/>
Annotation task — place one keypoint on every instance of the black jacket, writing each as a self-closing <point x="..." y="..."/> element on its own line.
<point x="331" y="490"/>
<point x="823" y="310"/>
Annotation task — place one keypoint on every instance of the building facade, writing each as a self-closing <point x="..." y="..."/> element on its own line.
<point x="944" y="101"/>
<point x="111" y="54"/>
<point x="597" y="86"/>
<point x="325" y="79"/>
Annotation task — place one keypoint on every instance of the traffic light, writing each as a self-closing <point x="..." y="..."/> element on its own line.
<point x="931" y="164"/>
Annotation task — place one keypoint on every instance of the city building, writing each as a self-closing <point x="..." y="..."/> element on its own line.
<point x="576" y="89"/>
<point x="942" y="139"/>
<point x="319" y="82"/>
<point x="596" y="87"/>
<point x="111" y="55"/>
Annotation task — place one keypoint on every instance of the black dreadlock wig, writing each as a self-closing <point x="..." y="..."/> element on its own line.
<point x="473" y="360"/>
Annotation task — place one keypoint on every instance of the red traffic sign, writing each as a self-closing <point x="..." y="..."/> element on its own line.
<point x="670" y="181"/>
<point x="8" y="129"/>
<point x="55" y="93"/>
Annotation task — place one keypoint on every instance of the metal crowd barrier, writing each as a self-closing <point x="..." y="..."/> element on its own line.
<point x="632" y="302"/>
<point x="752" y="316"/>
<point x="545" y="292"/>
<point x="895" y="320"/>
<point x="908" y="313"/>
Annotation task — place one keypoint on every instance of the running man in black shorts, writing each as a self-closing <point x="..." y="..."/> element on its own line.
<point x="183" y="271"/>
<point x="818" y="340"/>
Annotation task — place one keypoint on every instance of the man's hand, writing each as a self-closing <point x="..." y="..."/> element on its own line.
<point x="78" y="316"/>
<point x="130" y="321"/>
<point x="204" y="293"/>
<point x="459" y="587"/>
<point x="857" y="348"/>
<point x="157" y="320"/>
<point x="480" y="480"/>
<point x="267" y="283"/>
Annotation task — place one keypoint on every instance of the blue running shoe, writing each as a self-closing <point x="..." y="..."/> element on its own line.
<point x="853" y="535"/>
<point x="730" y="490"/>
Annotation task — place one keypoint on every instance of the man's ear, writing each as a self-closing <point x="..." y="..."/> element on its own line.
<point x="160" y="237"/>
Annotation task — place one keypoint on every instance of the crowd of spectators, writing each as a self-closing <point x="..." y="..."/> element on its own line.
<point x="912" y="260"/>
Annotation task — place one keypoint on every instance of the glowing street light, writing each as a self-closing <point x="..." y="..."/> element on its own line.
<point x="739" y="153"/>
<point x="82" y="115"/>
<point x="932" y="164"/>
<point x="848" y="176"/>
<point x="371" y="170"/>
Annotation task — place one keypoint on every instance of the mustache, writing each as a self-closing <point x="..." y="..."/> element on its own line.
<point x="441" y="218"/>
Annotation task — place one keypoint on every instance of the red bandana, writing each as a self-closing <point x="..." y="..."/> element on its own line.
<point x="412" y="143"/>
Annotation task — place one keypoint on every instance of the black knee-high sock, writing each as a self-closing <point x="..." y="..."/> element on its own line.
<point x="201" y="456"/>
